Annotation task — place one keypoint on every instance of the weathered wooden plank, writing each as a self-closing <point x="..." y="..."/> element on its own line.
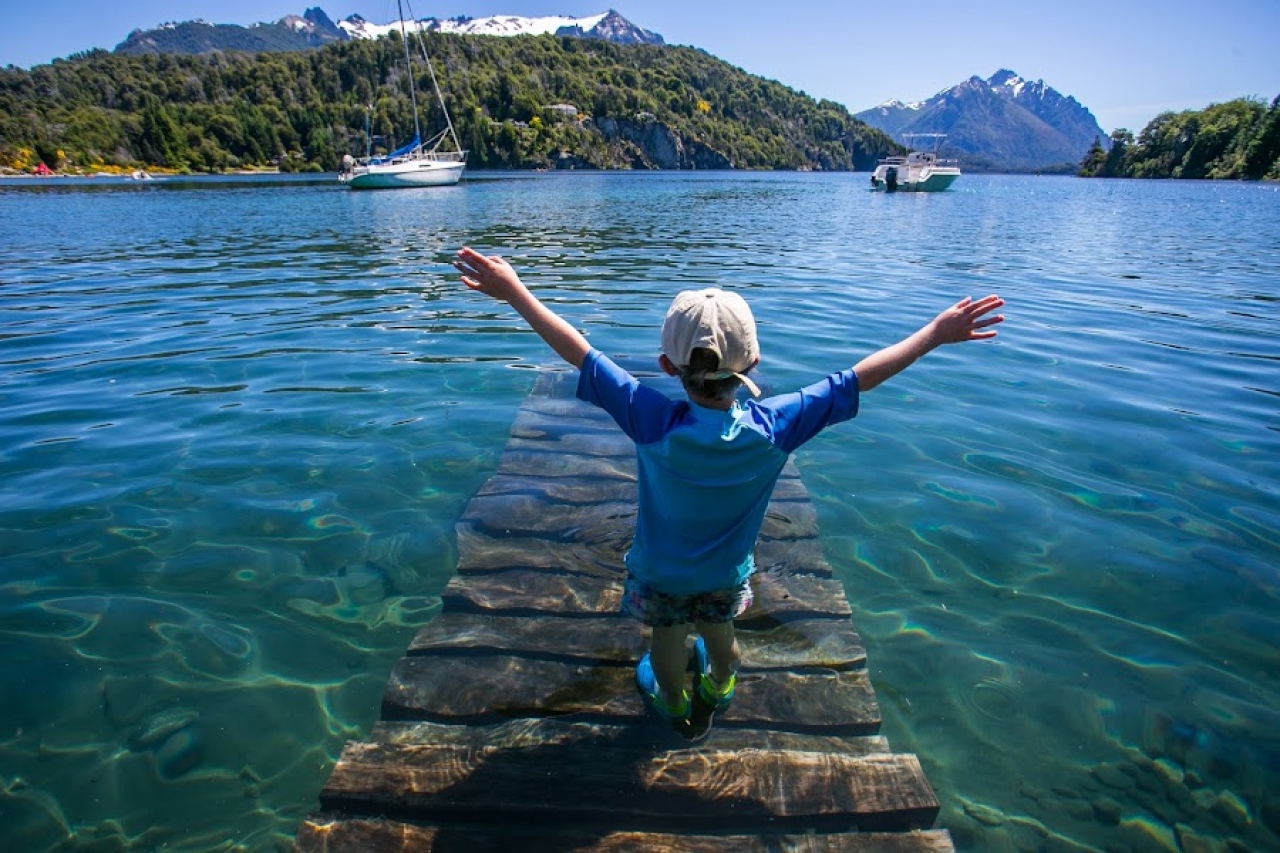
<point x="547" y="731"/>
<point x="586" y="490"/>
<point x="779" y="596"/>
<point x="479" y="552"/>
<point x="824" y="643"/>
<point x="782" y="596"/>
<point x="535" y="457"/>
<point x="564" y="408"/>
<point x="593" y="783"/>
<point x="789" y="520"/>
<point x="535" y="424"/>
<point x="572" y="490"/>
<point x="790" y="489"/>
<point x="555" y="386"/>
<point x="590" y="444"/>
<point x="531" y="463"/>
<point x="332" y="833"/>
<point x="612" y="639"/>
<point x="527" y="516"/>
<point x="558" y="384"/>
<point x="531" y="515"/>
<point x="531" y="592"/>
<point x="490" y="687"/>
<point x="792" y="557"/>
<point x="535" y="463"/>
<point x="606" y="445"/>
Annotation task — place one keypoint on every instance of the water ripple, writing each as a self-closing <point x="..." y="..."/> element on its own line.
<point x="241" y="419"/>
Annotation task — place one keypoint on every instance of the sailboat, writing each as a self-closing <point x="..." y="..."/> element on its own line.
<point x="418" y="164"/>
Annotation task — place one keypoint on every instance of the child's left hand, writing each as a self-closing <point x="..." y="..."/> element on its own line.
<point x="491" y="275"/>
<point x="967" y="320"/>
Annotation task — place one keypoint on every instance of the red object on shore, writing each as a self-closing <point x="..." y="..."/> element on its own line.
<point x="41" y="169"/>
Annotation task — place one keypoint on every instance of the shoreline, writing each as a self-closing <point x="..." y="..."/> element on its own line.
<point x="152" y="173"/>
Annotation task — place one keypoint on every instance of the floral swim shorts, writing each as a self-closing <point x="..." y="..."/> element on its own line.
<point x="659" y="609"/>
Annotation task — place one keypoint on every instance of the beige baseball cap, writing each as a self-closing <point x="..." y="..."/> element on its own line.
<point x="716" y="320"/>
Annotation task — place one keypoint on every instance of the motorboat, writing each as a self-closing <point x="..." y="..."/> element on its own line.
<point x="919" y="171"/>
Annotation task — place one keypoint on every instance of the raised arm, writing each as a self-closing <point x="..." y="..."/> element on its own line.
<point x="493" y="276"/>
<point x="964" y="321"/>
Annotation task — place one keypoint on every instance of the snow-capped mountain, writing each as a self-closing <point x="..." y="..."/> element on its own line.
<point x="496" y="25"/>
<point x="1003" y="123"/>
<point x="609" y="26"/>
<point x="314" y="29"/>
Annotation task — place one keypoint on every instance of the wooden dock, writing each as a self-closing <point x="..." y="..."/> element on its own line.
<point x="513" y="721"/>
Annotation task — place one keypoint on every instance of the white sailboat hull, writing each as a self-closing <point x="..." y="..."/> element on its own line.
<point x="417" y="164"/>
<point x="434" y="171"/>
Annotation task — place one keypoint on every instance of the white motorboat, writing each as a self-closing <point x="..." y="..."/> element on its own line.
<point x="417" y="164"/>
<point x="919" y="171"/>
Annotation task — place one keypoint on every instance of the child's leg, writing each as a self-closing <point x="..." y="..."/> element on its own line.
<point x="670" y="660"/>
<point x="722" y="648"/>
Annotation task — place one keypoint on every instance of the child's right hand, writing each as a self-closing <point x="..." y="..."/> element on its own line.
<point x="491" y="275"/>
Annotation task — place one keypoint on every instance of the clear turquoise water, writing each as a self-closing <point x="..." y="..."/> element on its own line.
<point x="239" y="418"/>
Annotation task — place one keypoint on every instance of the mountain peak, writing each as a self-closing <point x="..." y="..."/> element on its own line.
<point x="615" y="28"/>
<point x="314" y="29"/>
<point x="607" y="26"/>
<point x="1003" y="123"/>
<point x="895" y="104"/>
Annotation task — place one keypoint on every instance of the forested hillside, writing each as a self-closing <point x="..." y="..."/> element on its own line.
<point x="1238" y="139"/>
<point x="522" y="102"/>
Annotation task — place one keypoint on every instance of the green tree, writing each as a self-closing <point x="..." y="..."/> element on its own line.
<point x="160" y="140"/>
<point x="1262" y="154"/>
<point x="1095" y="160"/>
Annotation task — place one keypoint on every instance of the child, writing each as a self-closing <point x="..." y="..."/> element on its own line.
<point x="707" y="467"/>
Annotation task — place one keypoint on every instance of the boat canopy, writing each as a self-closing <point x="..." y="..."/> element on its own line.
<point x="399" y="152"/>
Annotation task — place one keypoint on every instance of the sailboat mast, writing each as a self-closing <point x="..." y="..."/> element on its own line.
<point x="408" y="62"/>
<point x="435" y="84"/>
<point x="439" y="95"/>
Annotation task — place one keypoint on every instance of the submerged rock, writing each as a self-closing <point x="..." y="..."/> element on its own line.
<point x="1230" y="808"/>
<point x="1107" y="811"/>
<point x="180" y="753"/>
<point x="984" y="815"/>
<point x="363" y="584"/>
<point x="159" y="727"/>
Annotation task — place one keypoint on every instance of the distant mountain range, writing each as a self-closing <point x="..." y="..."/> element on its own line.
<point x="315" y="29"/>
<point x="1002" y="124"/>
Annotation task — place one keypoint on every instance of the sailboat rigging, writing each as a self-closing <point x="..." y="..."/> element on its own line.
<point x="418" y="164"/>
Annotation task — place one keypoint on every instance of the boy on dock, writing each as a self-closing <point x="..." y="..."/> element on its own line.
<point x="707" y="466"/>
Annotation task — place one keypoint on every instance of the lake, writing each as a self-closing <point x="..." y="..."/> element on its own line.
<point x="240" y="417"/>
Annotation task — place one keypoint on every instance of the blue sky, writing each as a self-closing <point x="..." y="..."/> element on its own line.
<point x="1125" y="60"/>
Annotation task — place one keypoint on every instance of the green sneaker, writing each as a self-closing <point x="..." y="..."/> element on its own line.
<point x="718" y="696"/>
<point x="709" y="697"/>
<point x="648" y="684"/>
